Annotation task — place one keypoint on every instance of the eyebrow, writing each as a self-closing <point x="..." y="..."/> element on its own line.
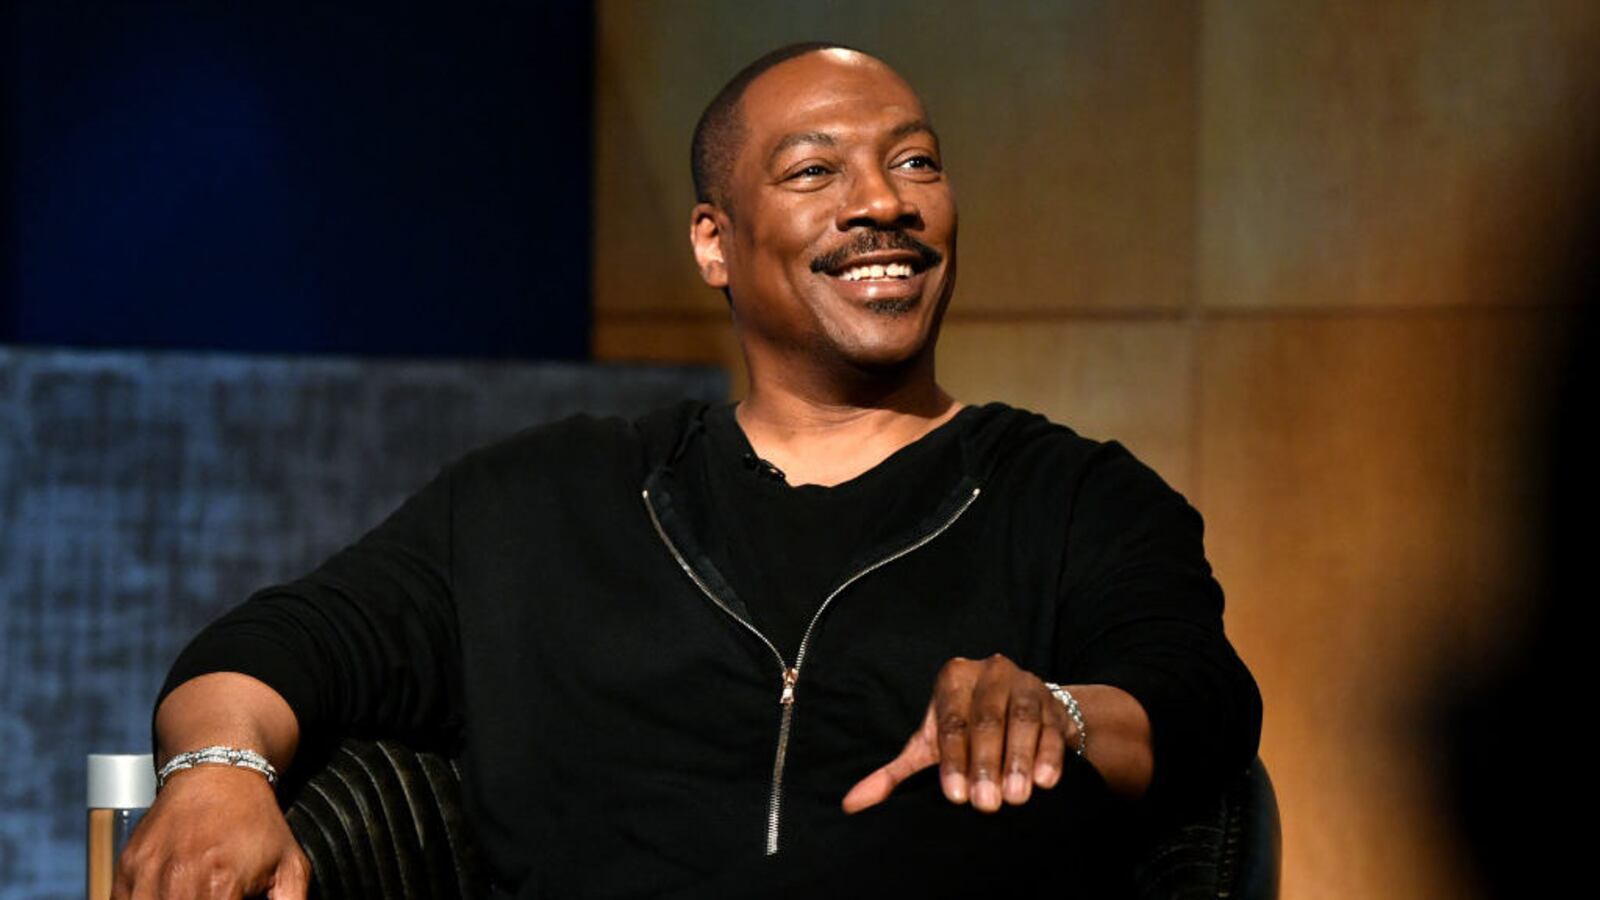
<point x="912" y="127"/>
<point x="795" y="139"/>
<point x="822" y="138"/>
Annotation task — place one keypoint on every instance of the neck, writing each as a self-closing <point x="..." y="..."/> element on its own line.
<point x="828" y="437"/>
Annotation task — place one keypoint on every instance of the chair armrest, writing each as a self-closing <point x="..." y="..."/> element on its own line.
<point x="1227" y="846"/>
<point x="383" y="820"/>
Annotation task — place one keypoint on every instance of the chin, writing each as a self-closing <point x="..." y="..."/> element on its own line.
<point x="886" y="358"/>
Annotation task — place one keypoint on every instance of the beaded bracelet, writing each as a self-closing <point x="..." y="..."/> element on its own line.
<point x="217" y="755"/>
<point x="1067" y="700"/>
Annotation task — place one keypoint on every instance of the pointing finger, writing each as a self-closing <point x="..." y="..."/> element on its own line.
<point x="919" y="753"/>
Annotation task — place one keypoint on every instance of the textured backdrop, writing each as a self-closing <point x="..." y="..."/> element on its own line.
<point x="141" y="494"/>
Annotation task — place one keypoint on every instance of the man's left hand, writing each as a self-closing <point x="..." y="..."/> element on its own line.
<point x="995" y="731"/>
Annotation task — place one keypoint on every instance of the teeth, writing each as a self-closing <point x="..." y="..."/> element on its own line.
<point x="892" y="270"/>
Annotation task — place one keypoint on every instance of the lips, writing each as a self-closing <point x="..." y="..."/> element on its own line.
<point x="863" y="269"/>
<point x="870" y="284"/>
<point x="878" y="255"/>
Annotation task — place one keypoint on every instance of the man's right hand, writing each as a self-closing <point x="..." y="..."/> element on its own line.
<point x="213" y="832"/>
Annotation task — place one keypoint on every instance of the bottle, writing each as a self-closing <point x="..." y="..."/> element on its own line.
<point x="121" y="787"/>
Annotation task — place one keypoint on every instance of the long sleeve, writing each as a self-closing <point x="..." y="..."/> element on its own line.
<point x="1142" y="612"/>
<point x="367" y="642"/>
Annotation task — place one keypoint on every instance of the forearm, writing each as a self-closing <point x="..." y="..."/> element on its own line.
<point x="1118" y="744"/>
<point x="1142" y="611"/>
<point x="230" y="709"/>
<point x="217" y="830"/>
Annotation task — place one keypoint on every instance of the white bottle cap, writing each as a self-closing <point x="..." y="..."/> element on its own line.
<point x="121" y="780"/>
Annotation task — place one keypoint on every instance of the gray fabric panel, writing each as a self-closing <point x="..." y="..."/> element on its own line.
<point x="143" y="493"/>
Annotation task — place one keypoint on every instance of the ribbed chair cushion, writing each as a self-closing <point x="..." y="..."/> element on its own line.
<point x="383" y="820"/>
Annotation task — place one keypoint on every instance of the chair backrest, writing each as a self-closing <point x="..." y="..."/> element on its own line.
<point x="384" y="820"/>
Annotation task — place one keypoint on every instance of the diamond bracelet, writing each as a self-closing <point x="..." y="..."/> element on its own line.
<point x="217" y="755"/>
<point x="1067" y="700"/>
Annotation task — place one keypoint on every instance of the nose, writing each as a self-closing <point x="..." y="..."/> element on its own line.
<point x="875" y="201"/>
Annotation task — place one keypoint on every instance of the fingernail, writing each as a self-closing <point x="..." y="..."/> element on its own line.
<point x="1044" y="775"/>
<point x="955" y="787"/>
<point x="986" y="795"/>
<point x="1016" y="787"/>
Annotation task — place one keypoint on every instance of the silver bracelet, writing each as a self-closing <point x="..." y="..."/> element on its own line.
<point x="217" y="755"/>
<point x="1067" y="700"/>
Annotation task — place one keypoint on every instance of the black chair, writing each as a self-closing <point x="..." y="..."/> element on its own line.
<point x="384" y="820"/>
<point x="1230" y="846"/>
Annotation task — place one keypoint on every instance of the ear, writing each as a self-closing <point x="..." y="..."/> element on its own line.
<point x="706" y="229"/>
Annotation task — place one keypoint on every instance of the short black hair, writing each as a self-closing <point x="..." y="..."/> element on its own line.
<point x="720" y="131"/>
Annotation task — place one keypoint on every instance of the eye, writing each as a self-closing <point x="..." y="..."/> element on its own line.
<point x="814" y="170"/>
<point x="922" y="162"/>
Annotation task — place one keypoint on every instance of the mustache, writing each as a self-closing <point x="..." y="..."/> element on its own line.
<point x="873" y="242"/>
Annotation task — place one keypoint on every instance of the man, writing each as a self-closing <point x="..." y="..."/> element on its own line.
<point x="685" y="654"/>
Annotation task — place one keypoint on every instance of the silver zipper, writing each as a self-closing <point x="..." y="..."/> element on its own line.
<point x="775" y="797"/>
<point x="791" y="676"/>
<point x="704" y="589"/>
<point x="785" y="699"/>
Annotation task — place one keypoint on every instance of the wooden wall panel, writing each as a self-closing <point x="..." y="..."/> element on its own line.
<point x="1391" y="154"/>
<point x="1369" y="503"/>
<point x="1068" y="130"/>
<point x="1122" y="380"/>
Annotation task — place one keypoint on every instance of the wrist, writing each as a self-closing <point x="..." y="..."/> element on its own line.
<point x="230" y="709"/>
<point x="1078" y="737"/>
<point x="217" y="756"/>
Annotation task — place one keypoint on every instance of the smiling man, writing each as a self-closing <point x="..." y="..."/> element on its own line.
<point x="833" y="227"/>
<point x="848" y="634"/>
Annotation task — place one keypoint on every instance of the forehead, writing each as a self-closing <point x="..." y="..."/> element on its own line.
<point x="828" y="91"/>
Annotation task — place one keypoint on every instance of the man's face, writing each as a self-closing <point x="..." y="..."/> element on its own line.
<point x="837" y="232"/>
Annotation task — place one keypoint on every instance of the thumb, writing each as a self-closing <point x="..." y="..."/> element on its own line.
<point x="920" y="752"/>
<point x="292" y="879"/>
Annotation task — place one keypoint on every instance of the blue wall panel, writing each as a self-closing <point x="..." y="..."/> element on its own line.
<point x="143" y="493"/>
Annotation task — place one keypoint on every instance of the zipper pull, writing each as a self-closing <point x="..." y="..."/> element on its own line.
<point x="790" y="676"/>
